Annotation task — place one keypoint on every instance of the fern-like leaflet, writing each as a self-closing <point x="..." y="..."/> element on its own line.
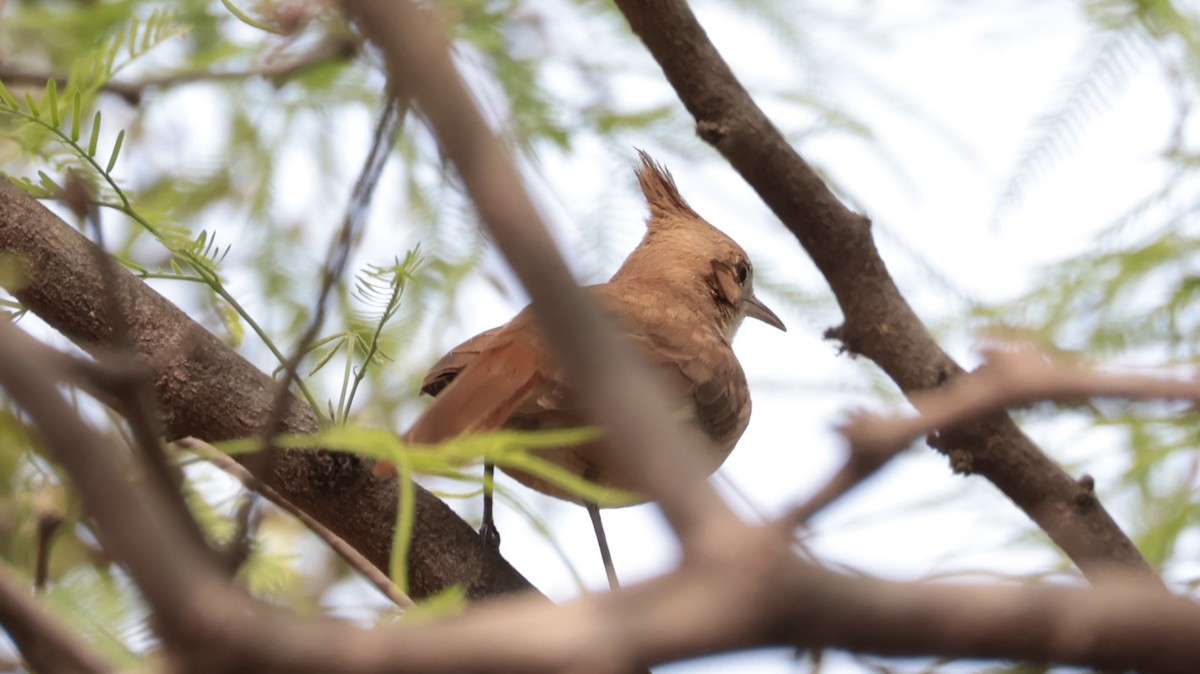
<point x="46" y="117"/>
<point x="379" y="289"/>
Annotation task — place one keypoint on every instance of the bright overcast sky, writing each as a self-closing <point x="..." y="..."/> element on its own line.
<point x="981" y="77"/>
<point x="984" y="76"/>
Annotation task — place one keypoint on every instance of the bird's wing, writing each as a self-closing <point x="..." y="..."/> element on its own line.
<point x="712" y="382"/>
<point x="480" y="384"/>
<point x="505" y="377"/>
<point x="447" y="368"/>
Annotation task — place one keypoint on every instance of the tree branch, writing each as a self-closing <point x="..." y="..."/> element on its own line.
<point x="879" y="323"/>
<point x="751" y="592"/>
<point x="133" y="92"/>
<point x="351" y="556"/>
<point x="1009" y="378"/>
<point x="208" y="391"/>
<point x="615" y="393"/>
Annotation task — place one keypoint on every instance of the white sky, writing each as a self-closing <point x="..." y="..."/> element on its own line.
<point x="983" y="76"/>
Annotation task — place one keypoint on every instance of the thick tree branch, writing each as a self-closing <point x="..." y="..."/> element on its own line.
<point x="751" y="592"/>
<point x="748" y="591"/>
<point x="45" y="643"/>
<point x="878" y="321"/>
<point x="206" y="390"/>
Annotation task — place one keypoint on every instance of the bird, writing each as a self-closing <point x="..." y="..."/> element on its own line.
<point x="678" y="300"/>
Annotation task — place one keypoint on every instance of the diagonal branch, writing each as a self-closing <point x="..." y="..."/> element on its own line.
<point x="615" y="393"/>
<point x="208" y="391"/>
<point x="351" y="556"/>
<point x="751" y="592"/>
<point x="879" y="323"/>
<point x="1010" y="378"/>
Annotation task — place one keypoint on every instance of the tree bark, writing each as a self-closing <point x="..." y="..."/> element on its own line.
<point x="208" y="391"/>
<point x="879" y="323"/>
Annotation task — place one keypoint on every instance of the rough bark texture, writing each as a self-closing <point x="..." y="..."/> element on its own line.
<point x="879" y="323"/>
<point x="208" y="391"/>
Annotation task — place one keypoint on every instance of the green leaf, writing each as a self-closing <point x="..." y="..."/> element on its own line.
<point x="76" y="116"/>
<point x="7" y="97"/>
<point x="33" y="108"/>
<point x="329" y="353"/>
<point x="451" y="601"/>
<point x="48" y="184"/>
<point x="132" y="41"/>
<point x="95" y="137"/>
<point x="406" y="513"/>
<point x="52" y="101"/>
<point x="115" y="152"/>
<point x="248" y="20"/>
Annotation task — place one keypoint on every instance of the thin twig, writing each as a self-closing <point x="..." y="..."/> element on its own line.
<point x="386" y="130"/>
<point x="343" y="549"/>
<point x="1012" y="376"/>
<point x="133" y="92"/>
<point x="860" y="464"/>
<point x="240" y="545"/>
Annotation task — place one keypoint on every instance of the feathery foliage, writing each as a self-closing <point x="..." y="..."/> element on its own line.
<point x="1135" y="295"/>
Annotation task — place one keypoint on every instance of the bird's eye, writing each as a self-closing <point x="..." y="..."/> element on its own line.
<point x="743" y="271"/>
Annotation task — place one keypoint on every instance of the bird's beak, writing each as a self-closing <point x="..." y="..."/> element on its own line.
<point x="756" y="309"/>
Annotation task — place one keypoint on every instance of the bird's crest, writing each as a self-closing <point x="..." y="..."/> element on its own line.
<point x="661" y="193"/>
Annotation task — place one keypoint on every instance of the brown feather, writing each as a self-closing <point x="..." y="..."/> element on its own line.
<point x="447" y="368"/>
<point x="660" y="191"/>
<point x="481" y="391"/>
<point x="678" y="299"/>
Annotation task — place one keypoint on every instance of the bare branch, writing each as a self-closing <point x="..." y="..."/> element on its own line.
<point x="615" y="393"/>
<point x="861" y="463"/>
<point x="1010" y="377"/>
<point x="879" y="323"/>
<point x="133" y="92"/>
<point x="751" y="591"/>
<point x="45" y="643"/>
<point x="355" y="559"/>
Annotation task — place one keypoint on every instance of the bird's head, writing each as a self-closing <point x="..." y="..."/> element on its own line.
<point x="682" y="249"/>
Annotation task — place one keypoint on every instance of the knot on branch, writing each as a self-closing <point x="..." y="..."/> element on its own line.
<point x="962" y="462"/>
<point x="1086" y="495"/>
<point x="711" y="132"/>
<point x="861" y="221"/>
<point x="328" y="472"/>
<point x="838" y="333"/>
